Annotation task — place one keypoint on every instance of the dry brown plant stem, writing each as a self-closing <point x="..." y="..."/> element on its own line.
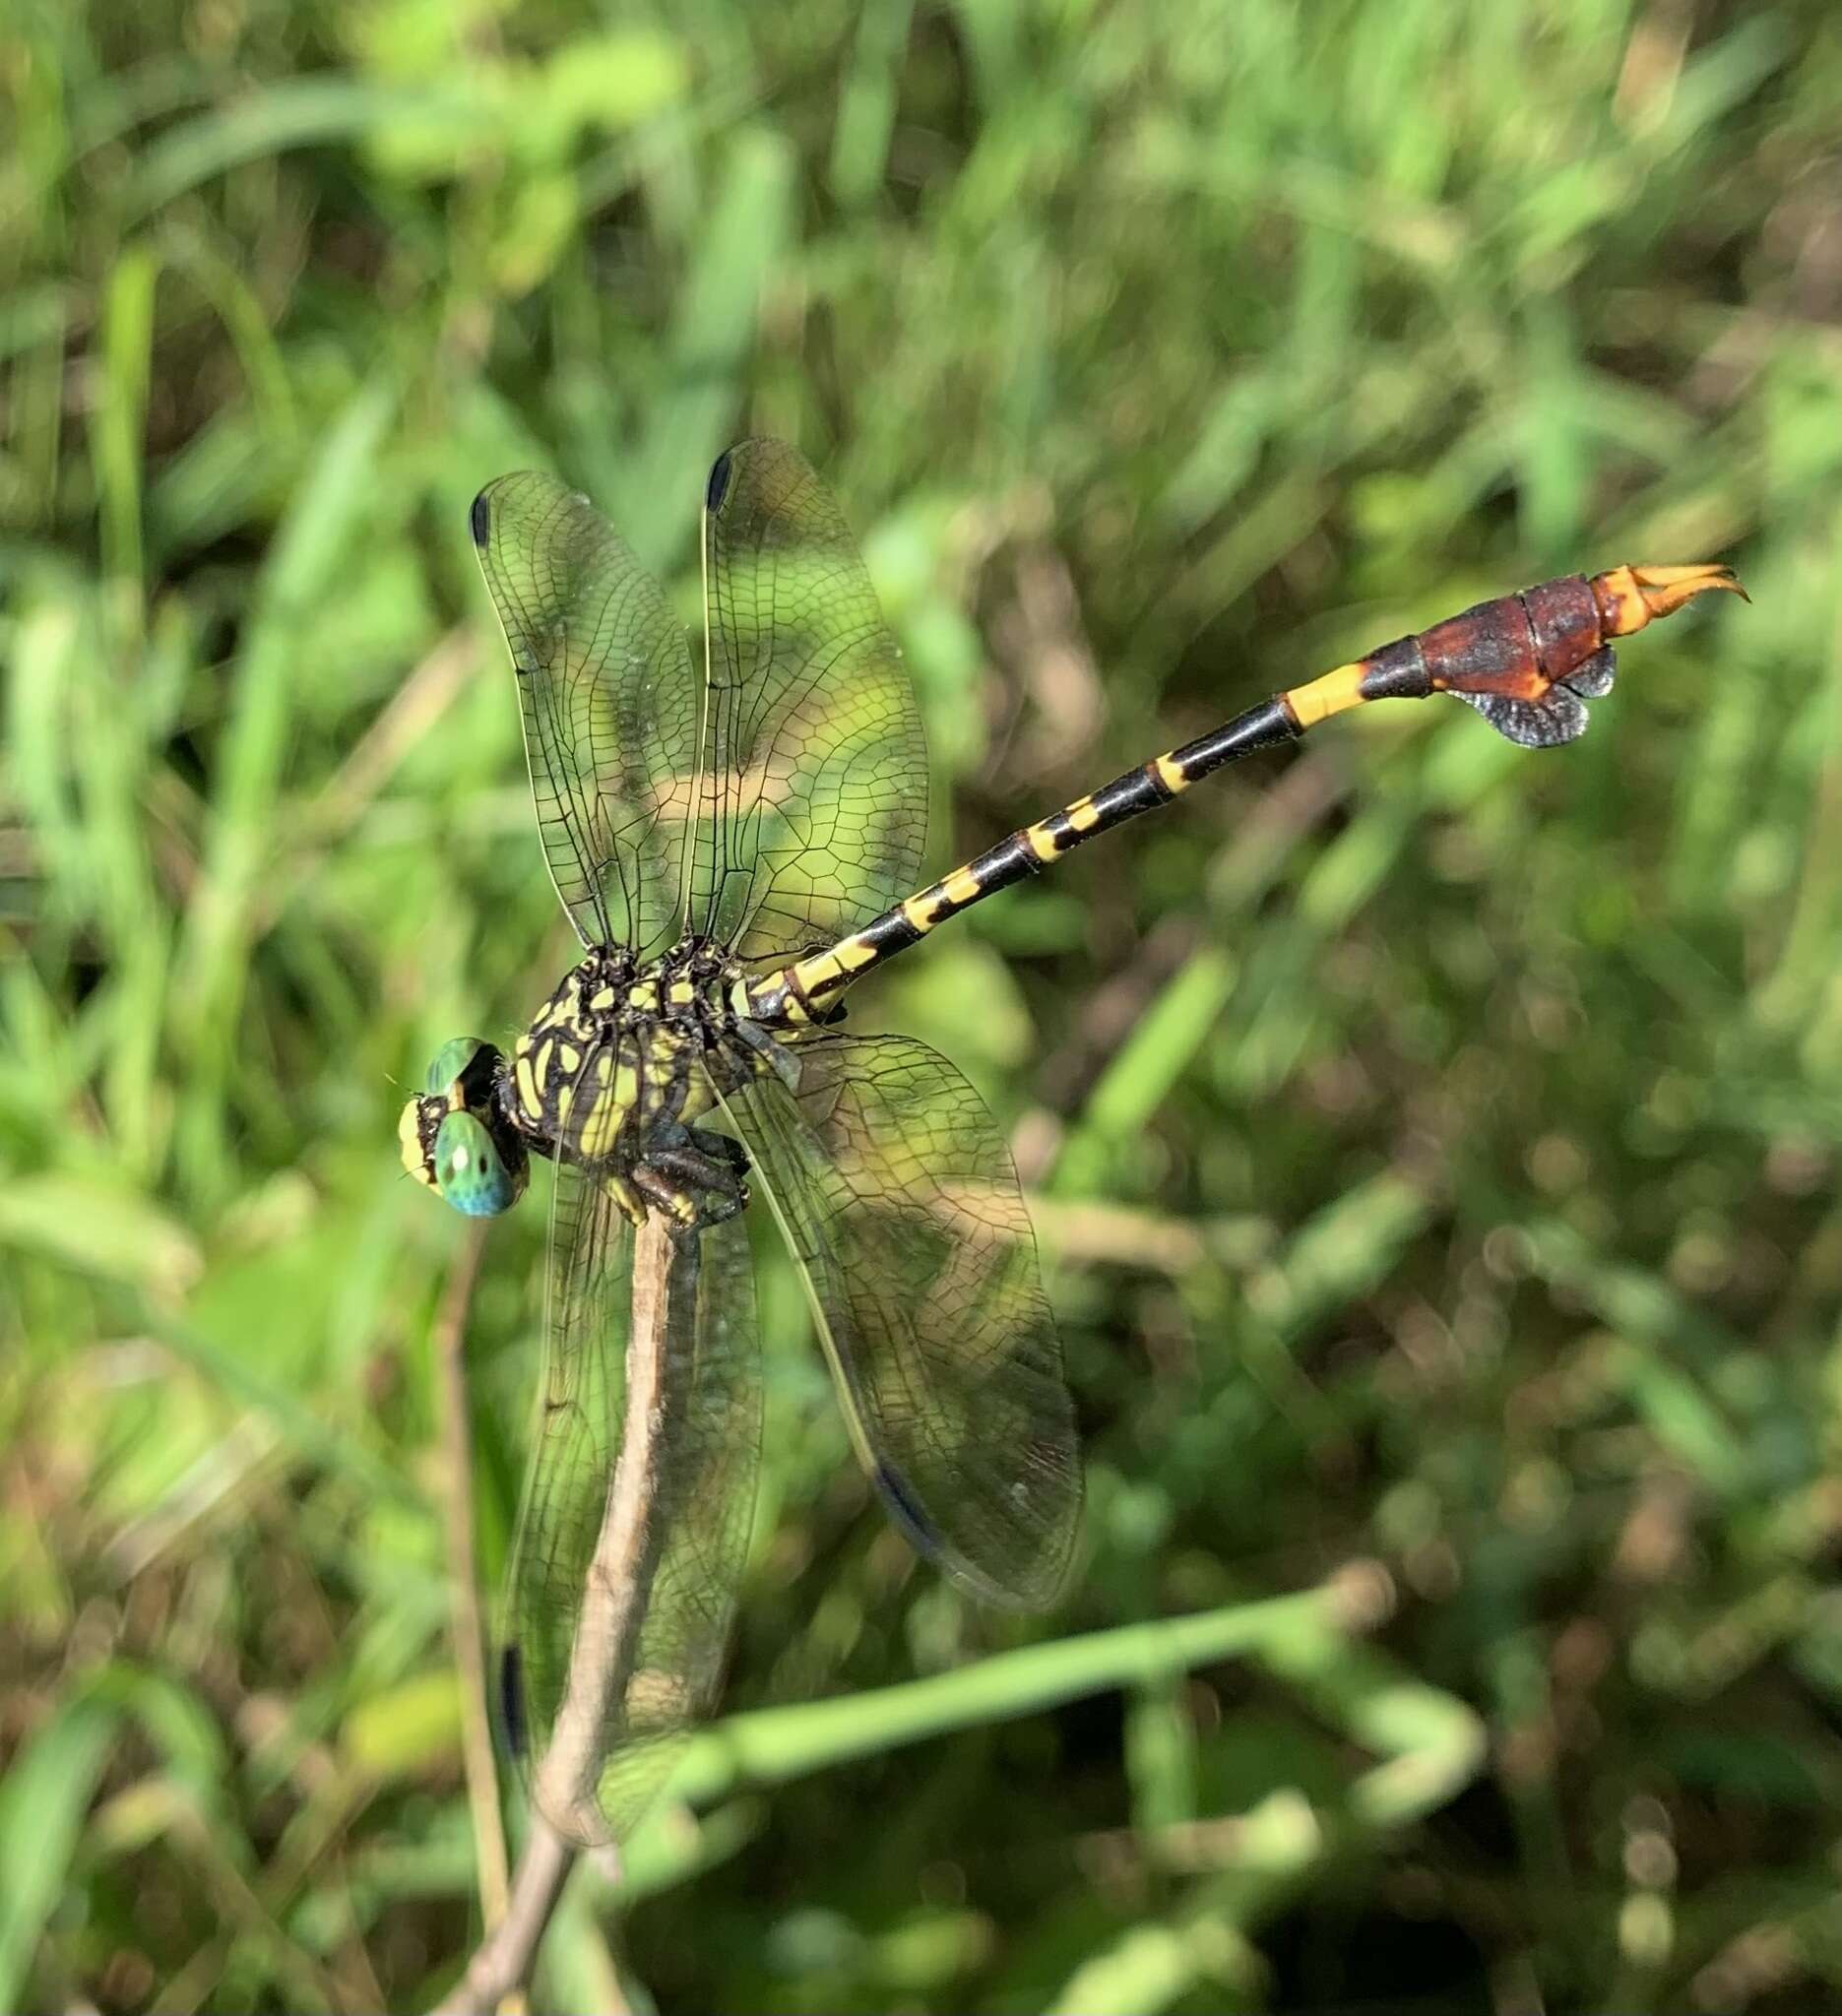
<point x="619" y="1581"/>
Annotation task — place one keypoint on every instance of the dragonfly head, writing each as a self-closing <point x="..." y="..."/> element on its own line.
<point x="455" y="1137"/>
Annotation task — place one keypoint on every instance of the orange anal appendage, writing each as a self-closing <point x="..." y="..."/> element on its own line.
<point x="1629" y="598"/>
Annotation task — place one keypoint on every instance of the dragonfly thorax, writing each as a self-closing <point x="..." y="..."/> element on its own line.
<point x="624" y="1056"/>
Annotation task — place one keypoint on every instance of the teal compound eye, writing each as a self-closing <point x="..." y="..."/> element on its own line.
<point x="470" y="1171"/>
<point x="450" y="1062"/>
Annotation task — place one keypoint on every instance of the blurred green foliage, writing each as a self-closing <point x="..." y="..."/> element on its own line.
<point x="1433" y="1145"/>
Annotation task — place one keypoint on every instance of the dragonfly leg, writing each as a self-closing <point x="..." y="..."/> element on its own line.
<point x="694" y="1179"/>
<point x="626" y="1195"/>
<point x="722" y="1147"/>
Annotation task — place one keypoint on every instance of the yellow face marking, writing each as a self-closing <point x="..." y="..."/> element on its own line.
<point x="919" y="911"/>
<point x="960" y="888"/>
<point x="1171" y="776"/>
<point x="527" y="1088"/>
<point x="1082" y="816"/>
<point x="1323" y="697"/>
<point x="410" y="1140"/>
<point x="1042" y="842"/>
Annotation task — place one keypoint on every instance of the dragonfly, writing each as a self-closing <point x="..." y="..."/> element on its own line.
<point x="736" y="843"/>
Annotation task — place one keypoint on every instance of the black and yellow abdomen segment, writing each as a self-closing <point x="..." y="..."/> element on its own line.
<point x="799" y="993"/>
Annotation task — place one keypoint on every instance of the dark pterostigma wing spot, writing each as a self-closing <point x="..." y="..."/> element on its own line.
<point x="480" y="518"/>
<point x="1558" y="716"/>
<point x="719" y="482"/>
<point x="1593" y="680"/>
<point x="512" y="1723"/>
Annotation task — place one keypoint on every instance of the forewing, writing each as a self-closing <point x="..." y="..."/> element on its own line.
<point x="609" y="705"/>
<point x="604" y="1693"/>
<point x="814" y="792"/>
<point x="896" y="1194"/>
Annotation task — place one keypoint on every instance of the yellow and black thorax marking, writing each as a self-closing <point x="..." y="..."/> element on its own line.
<point x="621" y="1050"/>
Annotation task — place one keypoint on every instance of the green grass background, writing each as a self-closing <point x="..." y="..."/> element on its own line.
<point x="1434" y="1144"/>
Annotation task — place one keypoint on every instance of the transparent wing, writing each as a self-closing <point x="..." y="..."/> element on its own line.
<point x="609" y="704"/>
<point x="899" y="1198"/>
<point x="814" y="792"/>
<point x="597" y="1702"/>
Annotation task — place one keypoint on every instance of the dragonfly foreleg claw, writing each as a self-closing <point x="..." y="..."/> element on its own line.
<point x="720" y="1148"/>
<point x="695" y="1181"/>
